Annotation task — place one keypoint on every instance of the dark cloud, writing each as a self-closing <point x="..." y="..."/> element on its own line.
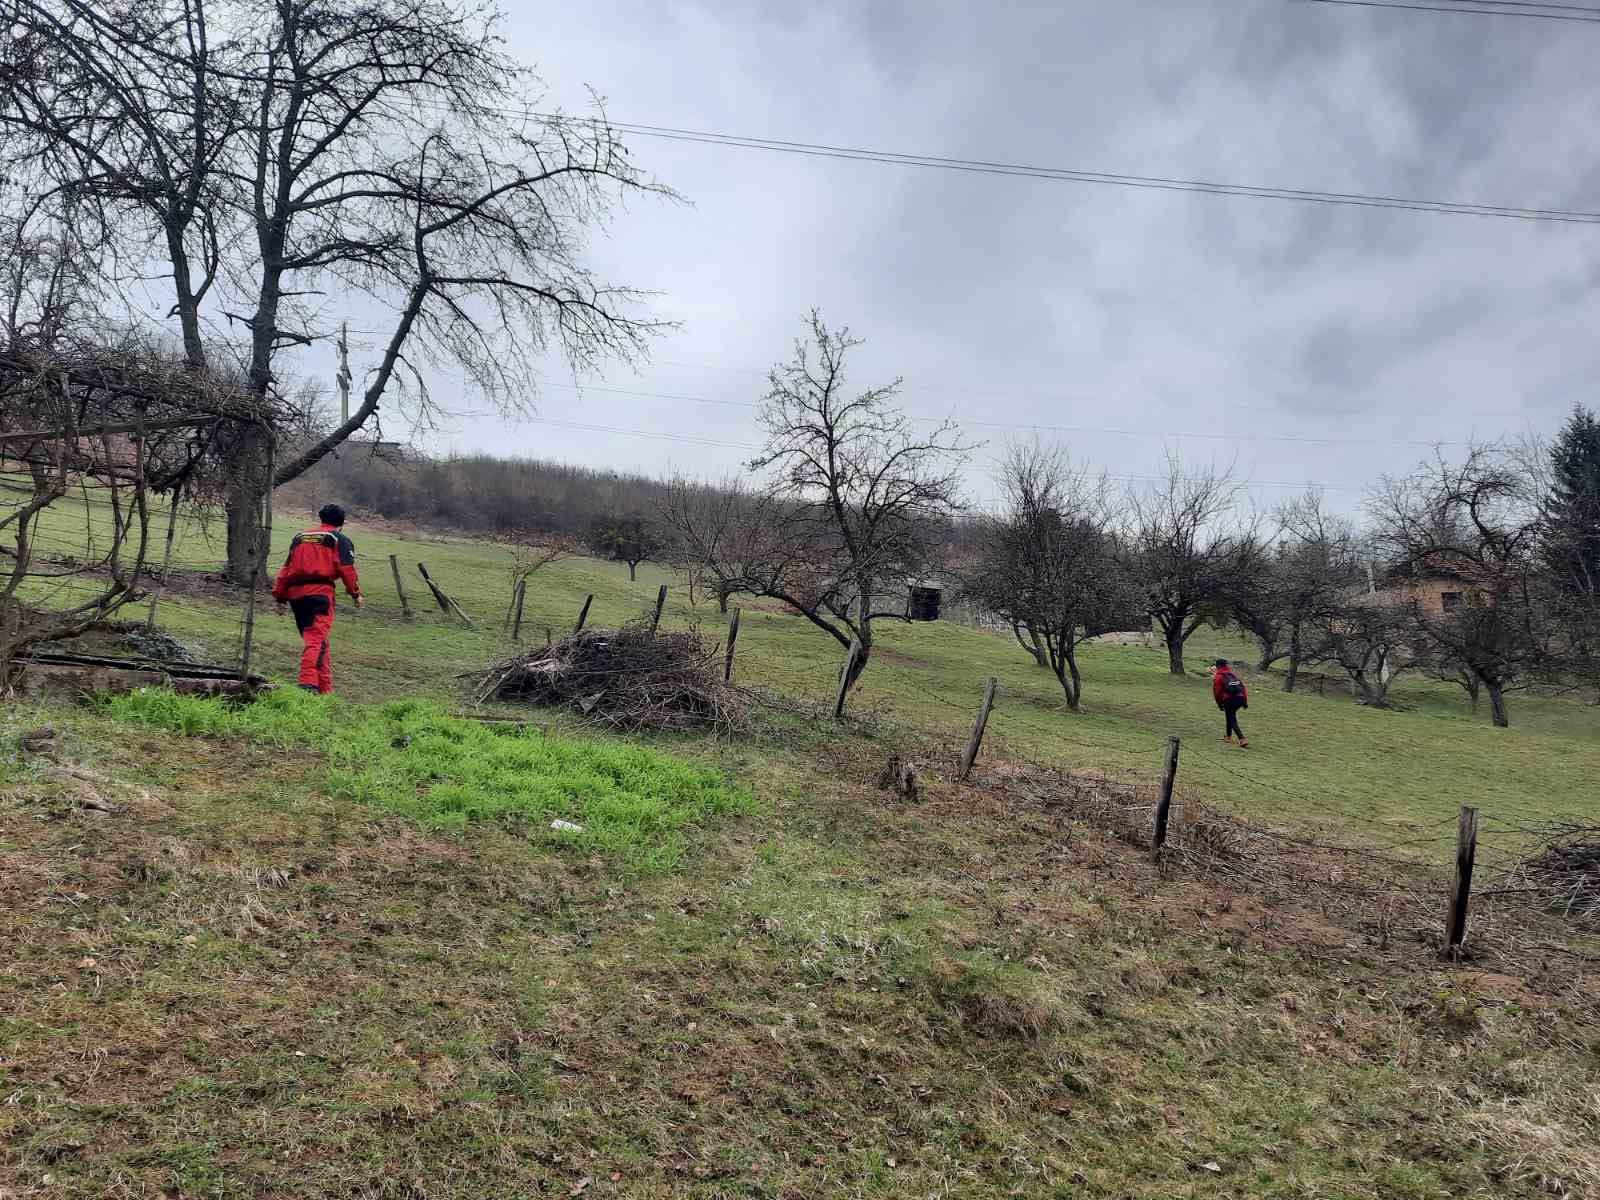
<point x="1032" y="302"/>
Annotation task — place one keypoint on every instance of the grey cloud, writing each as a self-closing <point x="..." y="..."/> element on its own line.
<point x="1030" y="302"/>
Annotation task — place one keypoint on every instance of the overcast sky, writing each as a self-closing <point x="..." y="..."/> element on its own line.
<point x="1026" y="302"/>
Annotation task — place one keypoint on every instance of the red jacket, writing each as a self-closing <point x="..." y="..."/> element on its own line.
<point x="318" y="559"/>
<point x="1219" y="681"/>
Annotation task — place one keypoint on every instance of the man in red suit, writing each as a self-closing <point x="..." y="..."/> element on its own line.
<point x="1228" y="690"/>
<point x="318" y="559"/>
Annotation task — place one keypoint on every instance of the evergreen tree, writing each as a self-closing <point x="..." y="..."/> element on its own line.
<point x="1572" y="508"/>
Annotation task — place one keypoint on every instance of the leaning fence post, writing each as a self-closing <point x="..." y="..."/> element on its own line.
<point x="516" y="621"/>
<point x="661" y="600"/>
<point x="733" y="636"/>
<point x="1466" y="855"/>
<point x="1169" y="774"/>
<point x="405" y="606"/>
<point x="583" y="614"/>
<point x="844" y="678"/>
<point x="976" y="739"/>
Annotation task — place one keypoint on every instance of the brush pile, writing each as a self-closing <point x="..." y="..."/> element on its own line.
<point x="1564" y="877"/>
<point x="628" y="679"/>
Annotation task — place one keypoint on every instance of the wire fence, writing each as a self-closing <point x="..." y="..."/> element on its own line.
<point x="1533" y="880"/>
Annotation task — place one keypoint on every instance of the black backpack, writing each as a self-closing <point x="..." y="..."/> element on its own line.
<point x="1233" y="687"/>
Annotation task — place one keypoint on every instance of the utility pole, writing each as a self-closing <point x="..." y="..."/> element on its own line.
<point x="343" y="377"/>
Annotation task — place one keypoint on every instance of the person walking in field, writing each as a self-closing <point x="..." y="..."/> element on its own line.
<point x="318" y="559"/>
<point x="1231" y="695"/>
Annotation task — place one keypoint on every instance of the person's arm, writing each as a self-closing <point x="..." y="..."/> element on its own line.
<point x="347" y="569"/>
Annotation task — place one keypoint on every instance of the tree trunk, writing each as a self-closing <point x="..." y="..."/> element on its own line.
<point x="633" y="572"/>
<point x="722" y="600"/>
<point x="1292" y="676"/>
<point x="1174" y="639"/>
<point x="1066" y="669"/>
<point x="244" y="503"/>
<point x="1269" y="654"/>
<point x="1497" y="704"/>
<point x="1036" y="649"/>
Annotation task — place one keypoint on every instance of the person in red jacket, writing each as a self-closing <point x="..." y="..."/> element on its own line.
<point x="318" y="559"/>
<point x="1228" y="690"/>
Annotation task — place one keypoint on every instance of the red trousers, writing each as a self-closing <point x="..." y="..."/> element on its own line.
<point x="313" y="615"/>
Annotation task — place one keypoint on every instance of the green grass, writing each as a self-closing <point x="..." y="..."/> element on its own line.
<point x="336" y="949"/>
<point x="409" y="757"/>
<point x="266" y="989"/>
<point x="1316" y="761"/>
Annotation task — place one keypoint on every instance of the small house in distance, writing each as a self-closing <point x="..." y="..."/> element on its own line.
<point x="1431" y="589"/>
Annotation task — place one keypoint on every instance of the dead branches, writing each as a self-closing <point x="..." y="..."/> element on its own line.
<point x="627" y="679"/>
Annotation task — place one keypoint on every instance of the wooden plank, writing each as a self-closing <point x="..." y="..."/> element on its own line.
<point x="445" y="603"/>
<point x="405" y="606"/>
<point x="733" y="636"/>
<point x="1461" y="891"/>
<point x="978" y="727"/>
<point x="1169" y="774"/>
<point x="661" y="600"/>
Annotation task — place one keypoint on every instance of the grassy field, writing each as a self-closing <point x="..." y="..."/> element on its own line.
<point x="309" y="956"/>
<point x="1314" y="761"/>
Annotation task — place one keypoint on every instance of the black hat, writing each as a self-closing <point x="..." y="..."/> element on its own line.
<point x="1222" y="662"/>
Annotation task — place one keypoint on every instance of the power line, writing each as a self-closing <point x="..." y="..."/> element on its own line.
<point x="699" y="441"/>
<point x="1497" y="11"/>
<point x="1044" y="428"/>
<point x="1077" y="175"/>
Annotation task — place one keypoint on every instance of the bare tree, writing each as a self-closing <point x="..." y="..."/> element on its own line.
<point x="1185" y="552"/>
<point x="383" y="148"/>
<point x="1370" y="641"/>
<point x="1300" y="583"/>
<point x="1476" y="521"/>
<point x="1050" y="566"/>
<point x="110" y="423"/>
<point x="718" y="536"/>
<point x="855" y="498"/>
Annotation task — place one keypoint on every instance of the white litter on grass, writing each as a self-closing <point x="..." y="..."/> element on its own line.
<point x="566" y="826"/>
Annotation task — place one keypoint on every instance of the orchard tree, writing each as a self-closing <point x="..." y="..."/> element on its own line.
<point x="1304" y="580"/>
<point x="718" y="536"/>
<point x="1476" y="521"/>
<point x="630" y="538"/>
<point x="1049" y="566"/>
<point x="264" y="157"/>
<point x="1187" y="552"/>
<point x="855" y="500"/>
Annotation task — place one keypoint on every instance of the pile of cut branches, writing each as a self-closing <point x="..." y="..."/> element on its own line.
<point x="1564" y="876"/>
<point x="628" y="679"/>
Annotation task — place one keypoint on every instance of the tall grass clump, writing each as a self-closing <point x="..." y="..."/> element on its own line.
<point x="409" y="757"/>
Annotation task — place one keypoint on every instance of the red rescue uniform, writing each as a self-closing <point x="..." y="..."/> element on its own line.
<point x="318" y="559"/>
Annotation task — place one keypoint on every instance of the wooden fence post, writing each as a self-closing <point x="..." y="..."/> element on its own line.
<point x="516" y="621"/>
<point x="446" y="604"/>
<point x="844" y="678"/>
<point x="976" y="740"/>
<point x="733" y="636"/>
<point x="583" y="614"/>
<point x="405" y="605"/>
<point x="1169" y="775"/>
<point x="661" y="600"/>
<point x="1466" y="855"/>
